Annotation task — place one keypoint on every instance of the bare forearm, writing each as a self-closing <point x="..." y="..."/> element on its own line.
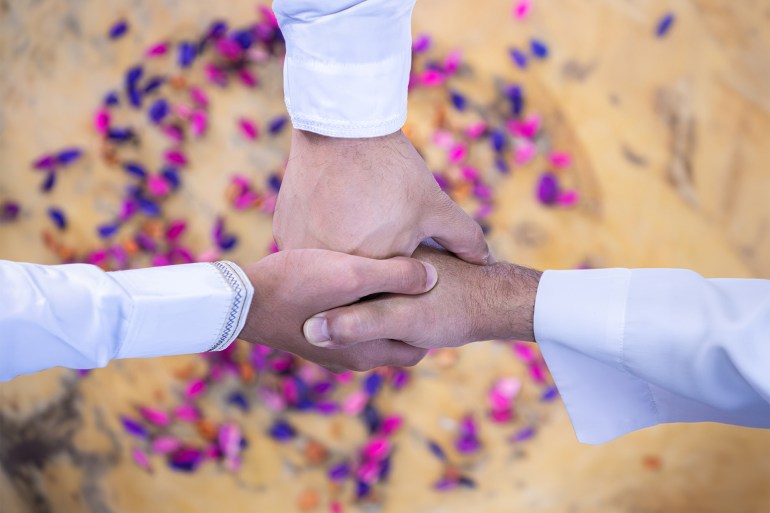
<point x="508" y="295"/>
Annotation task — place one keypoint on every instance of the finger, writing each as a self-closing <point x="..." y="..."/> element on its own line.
<point x="399" y="354"/>
<point x="399" y="275"/>
<point x="362" y="322"/>
<point x="457" y="232"/>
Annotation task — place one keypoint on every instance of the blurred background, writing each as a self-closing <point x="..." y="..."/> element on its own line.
<point x="580" y="133"/>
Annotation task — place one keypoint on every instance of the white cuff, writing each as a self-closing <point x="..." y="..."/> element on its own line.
<point x="579" y="326"/>
<point x="347" y="66"/>
<point x="184" y="309"/>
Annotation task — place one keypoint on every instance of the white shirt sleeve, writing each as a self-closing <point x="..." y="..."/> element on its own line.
<point x="347" y="64"/>
<point x="81" y="317"/>
<point x="630" y="349"/>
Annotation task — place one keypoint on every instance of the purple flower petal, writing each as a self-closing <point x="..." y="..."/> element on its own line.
<point x="282" y="431"/>
<point x="118" y="29"/>
<point x="9" y="211"/>
<point x="458" y="100"/>
<point x="421" y="43"/>
<point x="107" y="230"/>
<point x="45" y="163"/>
<point x="68" y="156"/>
<point x="136" y="169"/>
<point x="373" y="383"/>
<point x="665" y="24"/>
<point x="523" y="434"/>
<point x="436" y="450"/>
<point x="133" y="427"/>
<point x="539" y="49"/>
<point x="339" y="472"/>
<point x="187" y="54"/>
<point x="158" y="110"/>
<point x="276" y="125"/>
<point x="519" y="58"/>
<point x="57" y="216"/>
<point x="152" y="84"/>
<point x="49" y="182"/>
<point x="548" y="188"/>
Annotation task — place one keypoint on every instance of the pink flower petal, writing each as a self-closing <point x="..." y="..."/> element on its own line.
<point x="141" y="459"/>
<point x="247" y="77"/>
<point x="376" y="449"/>
<point x="156" y="50"/>
<point x="568" y="198"/>
<point x="452" y="61"/>
<point x="476" y="130"/>
<point x="457" y="153"/>
<point x="175" y="157"/>
<point x="158" y="186"/>
<point x="355" y="403"/>
<point x="210" y="255"/>
<point x="560" y="160"/>
<point x="522" y="9"/>
<point x="195" y="388"/>
<point x="248" y="128"/>
<point x="443" y="139"/>
<point x="198" y="96"/>
<point x="432" y="78"/>
<point x="524" y="153"/>
<point x="165" y="444"/>
<point x="102" y="121"/>
<point x="199" y="123"/>
<point x="187" y="413"/>
<point x="154" y="416"/>
<point x="391" y="424"/>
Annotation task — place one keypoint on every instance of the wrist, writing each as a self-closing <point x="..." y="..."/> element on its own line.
<point x="303" y="139"/>
<point x="253" y="329"/>
<point x="507" y="295"/>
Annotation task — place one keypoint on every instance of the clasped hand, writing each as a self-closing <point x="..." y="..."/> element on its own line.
<point x="369" y="199"/>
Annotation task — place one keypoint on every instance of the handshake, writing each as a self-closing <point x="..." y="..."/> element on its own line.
<point x="347" y="312"/>
<point x="377" y="198"/>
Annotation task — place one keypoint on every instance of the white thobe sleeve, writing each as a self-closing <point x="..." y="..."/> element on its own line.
<point x="81" y="317"/>
<point x="630" y="349"/>
<point x="347" y="64"/>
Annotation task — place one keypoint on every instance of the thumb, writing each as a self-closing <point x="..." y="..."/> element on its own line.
<point x="398" y="275"/>
<point x="457" y="232"/>
<point x="362" y="322"/>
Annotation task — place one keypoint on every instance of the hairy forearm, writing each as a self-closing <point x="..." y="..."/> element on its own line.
<point x="508" y="302"/>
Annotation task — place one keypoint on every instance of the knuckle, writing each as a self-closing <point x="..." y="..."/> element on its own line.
<point x="346" y="328"/>
<point x="409" y="275"/>
<point x="360" y="363"/>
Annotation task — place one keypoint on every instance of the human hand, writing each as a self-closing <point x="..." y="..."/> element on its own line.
<point x="371" y="197"/>
<point x="469" y="303"/>
<point x="290" y="286"/>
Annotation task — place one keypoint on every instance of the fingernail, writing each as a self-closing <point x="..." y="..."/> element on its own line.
<point x="316" y="331"/>
<point x="432" y="276"/>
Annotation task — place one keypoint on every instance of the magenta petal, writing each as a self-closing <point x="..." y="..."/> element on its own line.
<point x="46" y="162"/>
<point x="247" y="77"/>
<point x="102" y="121"/>
<point x="156" y="50"/>
<point x="248" y="128"/>
<point x="195" y="388"/>
<point x="141" y="459"/>
<point x="452" y="61"/>
<point x="187" y="413"/>
<point x="568" y="198"/>
<point x="376" y="450"/>
<point x="175" y="158"/>
<point x="522" y="9"/>
<point x="165" y="444"/>
<point x="199" y="97"/>
<point x="154" y="416"/>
